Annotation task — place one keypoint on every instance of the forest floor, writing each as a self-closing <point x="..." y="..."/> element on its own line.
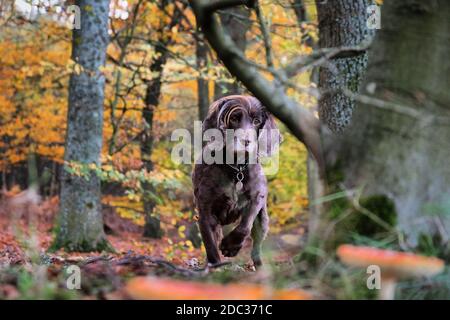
<point x="28" y="270"/>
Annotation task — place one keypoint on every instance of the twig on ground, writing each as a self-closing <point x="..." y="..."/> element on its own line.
<point x="95" y="259"/>
<point x="168" y="265"/>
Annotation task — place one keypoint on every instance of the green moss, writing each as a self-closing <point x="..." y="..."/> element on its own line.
<point x="81" y="246"/>
<point x="337" y="207"/>
<point x="433" y="245"/>
<point x="335" y="174"/>
<point x="373" y="221"/>
<point x="78" y="40"/>
<point x="383" y="208"/>
<point x="152" y="228"/>
<point x="311" y="255"/>
<point x="349" y="221"/>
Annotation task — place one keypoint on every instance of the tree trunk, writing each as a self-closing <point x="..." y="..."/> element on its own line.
<point x="341" y="23"/>
<point x="236" y="21"/>
<point x="152" y="227"/>
<point x="300" y="11"/>
<point x="299" y="7"/>
<point x="32" y="165"/>
<point x="397" y="152"/>
<point x="80" y="217"/>
<point x="193" y="232"/>
<point x="202" y="84"/>
<point x="315" y="186"/>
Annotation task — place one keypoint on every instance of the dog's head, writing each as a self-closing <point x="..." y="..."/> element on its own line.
<point x="253" y="127"/>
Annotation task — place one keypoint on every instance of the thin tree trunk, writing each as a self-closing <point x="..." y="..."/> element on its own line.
<point x="193" y="232"/>
<point x="80" y="225"/>
<point x="236" y="21"/>
<point x="300" y="10"/>
<point x="299" y="7"/>
<point x="53" y="183"/>
<point x="314" y="184"/>
<point x="202" y="84"/>
<point x="33" y="176"/>
<point x="152" y="227"/>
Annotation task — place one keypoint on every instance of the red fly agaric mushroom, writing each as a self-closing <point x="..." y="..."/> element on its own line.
<point x="393" y="265"/>
<point x="144" y="288"/>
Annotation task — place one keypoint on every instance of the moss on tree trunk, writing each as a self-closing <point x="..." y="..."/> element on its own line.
<point x="342" y="23"/>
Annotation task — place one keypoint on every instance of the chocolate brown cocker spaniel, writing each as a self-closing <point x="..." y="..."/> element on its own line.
<point x="235" y="192"/>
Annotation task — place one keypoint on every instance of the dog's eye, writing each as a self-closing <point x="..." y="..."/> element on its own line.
<point x="256" y="122"/>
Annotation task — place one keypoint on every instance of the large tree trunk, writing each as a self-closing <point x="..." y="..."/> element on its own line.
<point x="341" y="23"/>
<point x="398" y="152"/>
<point x="80" y="217"/>
<point x="236" y="21"/>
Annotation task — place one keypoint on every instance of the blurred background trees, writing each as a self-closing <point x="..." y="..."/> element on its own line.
<point x="160" y="74"/>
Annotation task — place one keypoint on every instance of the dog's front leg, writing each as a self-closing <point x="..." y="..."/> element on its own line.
<point x="209" y="229"/>
<point x="233" y="242"/>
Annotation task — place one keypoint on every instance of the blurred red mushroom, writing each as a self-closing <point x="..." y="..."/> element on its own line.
<point x="152" y="288"/>
<point x="394" y="265"/>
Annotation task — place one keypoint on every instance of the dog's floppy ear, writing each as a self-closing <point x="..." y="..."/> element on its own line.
<point x="217" y="111"/>
<point x="269" y="135"/>
<point x="212" y="119"/>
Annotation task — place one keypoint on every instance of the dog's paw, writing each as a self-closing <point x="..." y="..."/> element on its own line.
<point x="232" y="244"/>
<point x="230" y="251"/>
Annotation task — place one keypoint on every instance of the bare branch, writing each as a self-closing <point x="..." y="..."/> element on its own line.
<point x="320" y="56"/>
<point x="266" y="35"/>
<point x="210" y="7"/>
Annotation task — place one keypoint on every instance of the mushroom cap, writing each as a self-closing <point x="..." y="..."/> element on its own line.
<point x="392" y="263"/>
<point x="144" y="288"/>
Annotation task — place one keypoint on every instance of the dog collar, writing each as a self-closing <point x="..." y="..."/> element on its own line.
<point x="239" y="175"/>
